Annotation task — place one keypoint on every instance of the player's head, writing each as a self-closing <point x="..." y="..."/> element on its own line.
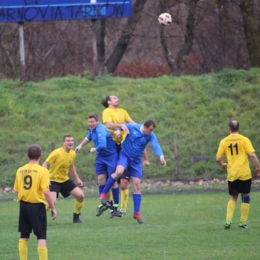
<point x="68" y="142"/>
<point x="34" y="152"/>
<point x="149" y="126"/>
<point x="93" y="121"/>
<point x="233" y="126"/>
<point x="110" y="101"/>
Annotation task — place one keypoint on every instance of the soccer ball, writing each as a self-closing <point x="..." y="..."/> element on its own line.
<point x="165" y="19"/>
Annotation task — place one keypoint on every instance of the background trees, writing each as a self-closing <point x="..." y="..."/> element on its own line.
<point x="206" y="36"/>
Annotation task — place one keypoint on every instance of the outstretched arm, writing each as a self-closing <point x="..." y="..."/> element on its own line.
<point x="80" y="146"/>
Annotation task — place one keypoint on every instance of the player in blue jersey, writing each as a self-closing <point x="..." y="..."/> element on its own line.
<point x="130" y="158"/>
<point x="106" y="157"/>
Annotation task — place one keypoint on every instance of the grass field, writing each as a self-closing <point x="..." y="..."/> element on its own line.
<point x="177" y="226"/>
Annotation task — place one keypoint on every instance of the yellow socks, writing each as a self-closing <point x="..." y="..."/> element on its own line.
<point x="78" y="206"/>
<point x="42" y="252"/>
<point x="244" y="212"/>
<point x="22" y="247"/>
<point x="124" y="196"/>
<point x="230" y="210"/>
<point x="109" y="195"/>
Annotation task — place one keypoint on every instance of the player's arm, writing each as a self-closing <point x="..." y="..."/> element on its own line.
<point x="256" y="162"/>
<point x="115" y="127"/>
<point x="146" y="161"/>
<point x="75" y="175"/>
<point x="16" y="188"/>
<point x="157" y="149"/>
<point x="102" y="140"/>
<point x="46" y="165"/>
<point x="48" y="197"/>
<point x="131" y="121"/>
<point x="80" y="146"/>
<point x="221" y="163"/>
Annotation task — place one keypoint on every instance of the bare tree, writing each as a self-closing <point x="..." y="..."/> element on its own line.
<point x="116" y="56"/>
<point x="99" y="50"/>
<point x="189" y="34"/>
<point x="177" y="63"/>
<point x="251" y="33"/>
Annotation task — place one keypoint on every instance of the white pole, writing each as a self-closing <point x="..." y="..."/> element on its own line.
<point x="22" y="53"/>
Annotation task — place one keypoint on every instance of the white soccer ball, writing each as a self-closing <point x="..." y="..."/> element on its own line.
<point x="165" y="19"/>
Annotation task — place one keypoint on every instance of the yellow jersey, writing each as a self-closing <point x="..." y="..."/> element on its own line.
<point x="31" y="181"/>
<point x="236" y="149"/>
<point x="116" y="116"/>
<point x="60" y="162"/>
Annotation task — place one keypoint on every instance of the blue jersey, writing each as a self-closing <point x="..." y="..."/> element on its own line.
<point x="135" y="142"/>
<point x="102" y="140"/>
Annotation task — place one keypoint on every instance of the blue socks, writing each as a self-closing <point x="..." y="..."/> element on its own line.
<point x="137" y="198"/>
<point x="109" y="184"/>
<point x="100" y="189"/>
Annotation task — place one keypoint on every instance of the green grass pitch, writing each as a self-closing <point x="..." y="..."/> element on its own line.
<point x="177" y="226"/>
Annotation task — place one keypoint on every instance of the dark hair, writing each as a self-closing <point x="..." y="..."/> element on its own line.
<point x="95" y="116"/>
<point x="34" y="152"/>
<point x="149" y="123"/>
<point x="104" y="102"/>
<point x="233" y="125"/>
<point x="65" y="136"/>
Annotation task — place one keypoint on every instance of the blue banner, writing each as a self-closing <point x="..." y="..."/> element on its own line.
<point x="58" y="10"/>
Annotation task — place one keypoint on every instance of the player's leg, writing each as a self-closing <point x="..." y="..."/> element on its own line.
<point x="42" y="249"/>
<point x="110" y="196"/>
<point x="137" y="198"/>
<point x="78" y="205"/>
<point x="123" y="182"/>
<point x="69" y="188"/>
<point x="101" y="178"/>
<point x="115" y="193"/>
<point x="124" y="191"/>
<point x="110" y="183"/>
<point x="22" y="248"/>
<point x="25" y="229"/>
<point x="115" y="209"/>
<point x="121" y="166"/>
<point x="110" y="192"/>
<point x="135" y="171"/>
<point x="245" y="205"/>
<point x="233" y="192"/>
<point x="38" y="220"/>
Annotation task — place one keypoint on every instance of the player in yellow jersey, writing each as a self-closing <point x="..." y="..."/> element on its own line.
<point x="60" y="162"/>
<point x="236" y="148"/>
<point x="113" y="117"/>
<point x="32" y="189"/>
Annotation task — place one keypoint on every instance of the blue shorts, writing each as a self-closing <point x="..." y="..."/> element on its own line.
<point x="106" y="164"/>
<point x="132" y="165"/>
